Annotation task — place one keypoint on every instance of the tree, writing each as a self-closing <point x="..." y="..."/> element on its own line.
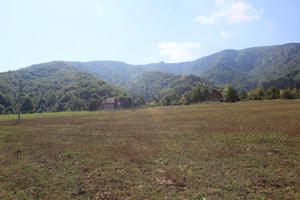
<point x="295" y="93"/>
<point x="204" y="93"/>
<point x="260" y="93"/>
<point x="85" y="94"/>
<point x="243" y="96"/>
<point x="196" y="94"/>
<point x="9" y="110"/>
<point x="60" y="107"/>
<point x="41" y="105"/>
<point x="76" y="104"/>
<point x="230" y="94"/>
<point x="285" y="94"/>
<point x="272" y="93"/>
<point x="126" y="102"/>
<point x="256" y="94"/>
<point x="3" y="100"/>
<point x="166" y="101"/>
<point x="2" y="109"/>
<point x="51" y="99"/>
<point x="27" y="106"/>
<point x="66" y="97"/>
<point x="94" y="104"/>
<point x="140" y="100"/>
<point x="187" y="99"/>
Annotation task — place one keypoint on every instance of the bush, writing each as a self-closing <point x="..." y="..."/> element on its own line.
<point x="230" y="94"/>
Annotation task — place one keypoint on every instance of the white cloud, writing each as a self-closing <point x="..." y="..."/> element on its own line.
<point x="205" y="20"/>
<point x="221" y="2"/>
<point x="177" y="52"/>
<point x="233" y="11"/>
<point x="98" y="10"/>
<point x="226" y="34"/>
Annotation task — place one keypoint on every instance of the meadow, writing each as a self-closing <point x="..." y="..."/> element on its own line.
<point x="244" y="150"/>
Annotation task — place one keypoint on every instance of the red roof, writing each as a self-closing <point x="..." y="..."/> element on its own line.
<point x="110" y="100"/>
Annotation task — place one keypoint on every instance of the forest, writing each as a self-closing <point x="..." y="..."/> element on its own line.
<point x="234" y="75"/>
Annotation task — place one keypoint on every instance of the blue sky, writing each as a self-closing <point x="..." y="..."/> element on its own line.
<point x="139" y="31"/>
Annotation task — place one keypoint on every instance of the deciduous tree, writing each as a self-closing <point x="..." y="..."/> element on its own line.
<point x="230" y="94"/>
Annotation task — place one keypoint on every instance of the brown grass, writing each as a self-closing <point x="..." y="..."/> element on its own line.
<point x="246" y="150"/>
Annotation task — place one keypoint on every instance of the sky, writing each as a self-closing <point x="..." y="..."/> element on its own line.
<point x="139" y="31"/>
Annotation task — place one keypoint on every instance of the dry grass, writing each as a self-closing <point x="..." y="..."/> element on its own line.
<point x="246" y="150"/>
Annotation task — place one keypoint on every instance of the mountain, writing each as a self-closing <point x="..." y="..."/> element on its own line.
<point x="64" y="85"/>
<point x="156" y="85"/>
<point x="55" y="86"/>
<point x="115" y="72"/>
<point x="246" y="69"/>
<point x="153" y="85"/>
<point x="75" y="85"/>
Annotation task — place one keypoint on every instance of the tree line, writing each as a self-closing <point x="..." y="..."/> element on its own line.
<point x="229" y="94"/>
<point x="78" y="101"/>
<point x="54" y="103"/>
<point x="270" y="93"/>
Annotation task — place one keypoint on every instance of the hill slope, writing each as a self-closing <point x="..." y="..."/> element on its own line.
<point x="153" y="85"/>
<point x="118" y="73"/>
<point x="56" y="85"/>
<point x="245" y="69"/>
<point x="156" y="85"/>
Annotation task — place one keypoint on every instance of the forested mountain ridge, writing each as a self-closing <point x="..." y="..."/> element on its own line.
<point x="67" y="85"/>
<point x="119" y="73"/>
<point x="63" y="85"/>
<point x="55" y="86"/>
<point x="153" y="85"/>
<point x="244" y="69"/>
<point x="156" y="86"/>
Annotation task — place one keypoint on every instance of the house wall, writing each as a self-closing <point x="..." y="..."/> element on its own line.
<point x="109" y="106"/>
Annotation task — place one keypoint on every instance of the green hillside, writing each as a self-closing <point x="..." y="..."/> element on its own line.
<point x="55" y="86"/>
<point x="161" y="86"/>
<point x="153" y="85"/>
<point x="244" y="69"/>
<point x="61" y="85"/>
<point x="277" y="65"/>
<point x="118" y="73"/>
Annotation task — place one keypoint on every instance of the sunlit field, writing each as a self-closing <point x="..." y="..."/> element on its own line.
<point x="245" y="150"/>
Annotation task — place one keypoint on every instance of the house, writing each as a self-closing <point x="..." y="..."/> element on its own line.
<point x="215" y="96"/>
<point x="111" y="103"/>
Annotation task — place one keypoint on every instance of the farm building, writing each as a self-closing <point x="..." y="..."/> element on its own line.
<point x="111" y="103"/>
<point x="215" y="96"/>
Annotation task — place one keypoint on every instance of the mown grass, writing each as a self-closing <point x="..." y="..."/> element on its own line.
<point x="245" y="150"/>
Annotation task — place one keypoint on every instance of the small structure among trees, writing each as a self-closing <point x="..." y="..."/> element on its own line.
<point x="111" y="103"/>
<point x="215" y="95"/>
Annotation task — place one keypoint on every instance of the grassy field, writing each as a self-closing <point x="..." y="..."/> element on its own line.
<point x="245" y="150"/>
